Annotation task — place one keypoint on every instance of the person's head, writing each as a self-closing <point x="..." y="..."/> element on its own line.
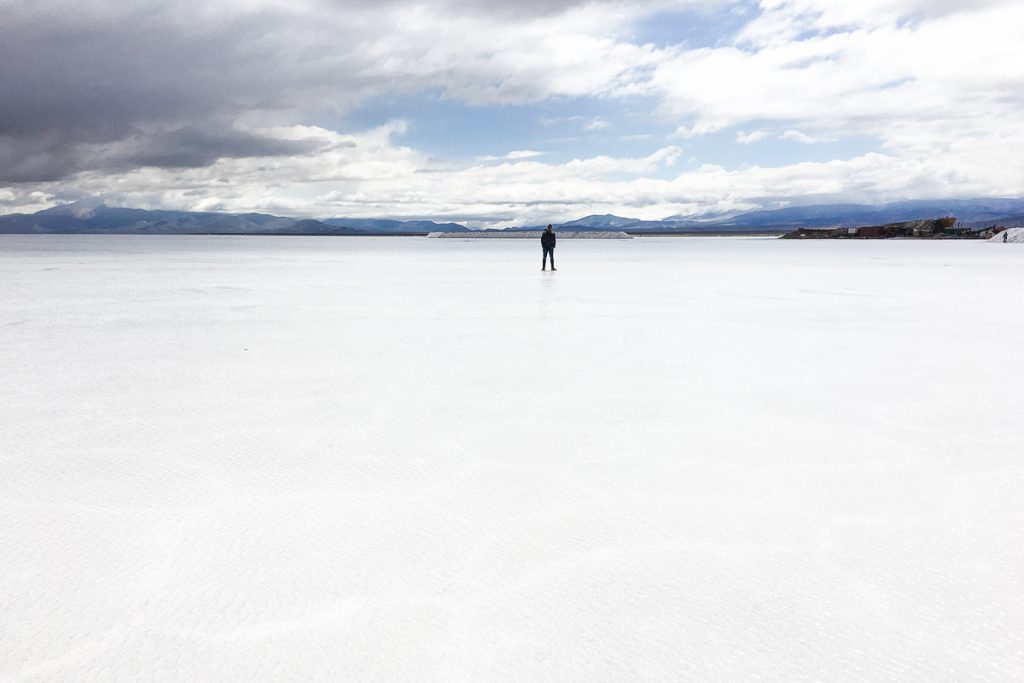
<point x="549" y="227"/>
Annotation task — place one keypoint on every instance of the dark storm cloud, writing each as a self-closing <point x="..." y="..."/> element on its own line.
<point x="95" y="71"/>
<point x="48" y="158"/>
<point x="95" y="81"/>
<point x="70" y="82"/>
<point x="102" y="73"/>
<point x="193" y="147"/>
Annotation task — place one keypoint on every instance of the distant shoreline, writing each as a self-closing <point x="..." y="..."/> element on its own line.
<point x="494" y="233"/>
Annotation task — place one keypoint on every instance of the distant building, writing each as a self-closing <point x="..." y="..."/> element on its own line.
<point x="939" y="228"/>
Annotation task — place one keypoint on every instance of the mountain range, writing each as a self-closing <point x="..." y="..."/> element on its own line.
<point x="102" y="219"/>
<point x="970" y="212"/>
<point x="99" y="218"/>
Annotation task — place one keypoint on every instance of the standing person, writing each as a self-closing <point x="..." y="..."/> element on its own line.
<point x="547" y="241"/>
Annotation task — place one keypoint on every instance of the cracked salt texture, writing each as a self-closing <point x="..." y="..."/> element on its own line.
<point x="359" y="458"/>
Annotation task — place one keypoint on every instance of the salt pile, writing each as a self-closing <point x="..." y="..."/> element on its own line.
<point x="1011" y="235"/>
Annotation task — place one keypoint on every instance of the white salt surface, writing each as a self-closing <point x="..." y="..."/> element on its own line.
<point x="231" y="458"/>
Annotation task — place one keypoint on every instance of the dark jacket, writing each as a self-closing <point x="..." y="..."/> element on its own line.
<point x="547" y="240"/>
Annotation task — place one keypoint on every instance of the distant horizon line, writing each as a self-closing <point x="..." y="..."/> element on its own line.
<point x="709" y="217"/>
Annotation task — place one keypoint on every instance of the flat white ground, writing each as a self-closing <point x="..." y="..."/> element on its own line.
<point x="354" y="458"/>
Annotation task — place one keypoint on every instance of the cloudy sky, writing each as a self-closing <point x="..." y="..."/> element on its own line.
<point x="493" y="112"/>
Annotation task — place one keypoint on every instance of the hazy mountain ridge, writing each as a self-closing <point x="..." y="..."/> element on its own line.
<point x="90" y="218"/>
<point x="850" y="215"/>
<point x="970" y="212"/>
<point x="75" y="218"/>
<point x="84" y="217"/>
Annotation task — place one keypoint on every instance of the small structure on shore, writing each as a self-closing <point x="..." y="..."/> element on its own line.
<point x="939" y="228"/>
<point x="535" y="234"/>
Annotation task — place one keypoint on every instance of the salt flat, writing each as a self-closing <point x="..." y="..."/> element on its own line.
<point x="231" y="458"/>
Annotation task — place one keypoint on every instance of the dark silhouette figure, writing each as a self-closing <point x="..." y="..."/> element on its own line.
<point x="547" y="241"/>
<point x="1006" y="234"/>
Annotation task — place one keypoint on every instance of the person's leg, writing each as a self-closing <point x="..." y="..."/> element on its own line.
<point x="553" y="260"/>
<point x="544" y="260"/>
